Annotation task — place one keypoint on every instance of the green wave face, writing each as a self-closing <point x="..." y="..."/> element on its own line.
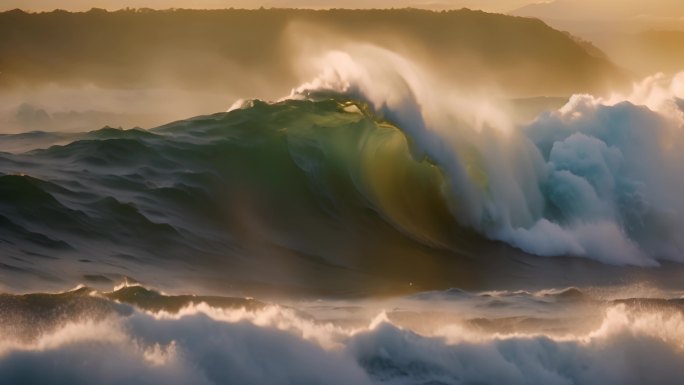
<point x="324" y="161"/>
<point x="294" y="193"/>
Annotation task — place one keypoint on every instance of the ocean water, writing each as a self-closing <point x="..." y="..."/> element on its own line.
<point x="371" y="227"/>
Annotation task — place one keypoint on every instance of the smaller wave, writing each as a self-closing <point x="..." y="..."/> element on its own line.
<point x="138" y="334"/>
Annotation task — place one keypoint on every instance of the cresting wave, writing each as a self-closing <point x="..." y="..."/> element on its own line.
<point x="598" y="178"/>
<point x="134" y="334"/>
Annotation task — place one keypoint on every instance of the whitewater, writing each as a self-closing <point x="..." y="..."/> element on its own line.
<point x="597" y="178"/>
<point x="374" y="226"/>
<point x="133" y="334"/>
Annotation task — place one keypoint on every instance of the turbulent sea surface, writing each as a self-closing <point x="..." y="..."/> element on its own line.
<point x="359" y="231"/>
<point x="136" y="335"/>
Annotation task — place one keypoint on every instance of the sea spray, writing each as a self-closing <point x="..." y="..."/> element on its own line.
<point x="597" y="178"/>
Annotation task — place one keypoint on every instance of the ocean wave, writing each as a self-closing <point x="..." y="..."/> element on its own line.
<point x="285" y="179"/>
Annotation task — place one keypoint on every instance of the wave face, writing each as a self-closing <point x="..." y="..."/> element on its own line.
<point x="134" y="334"/>
<point x="264" y="195"/>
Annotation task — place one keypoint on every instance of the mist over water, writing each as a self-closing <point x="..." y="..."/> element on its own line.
<point x="72" y="109"/>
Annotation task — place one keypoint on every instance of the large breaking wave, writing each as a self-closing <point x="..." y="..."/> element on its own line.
<point x="371" y="178"/>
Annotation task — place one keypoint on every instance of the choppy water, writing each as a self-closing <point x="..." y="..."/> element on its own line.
<point x="137" y="335"/>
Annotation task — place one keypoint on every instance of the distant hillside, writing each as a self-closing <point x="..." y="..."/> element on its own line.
<point x="217" y="49"/>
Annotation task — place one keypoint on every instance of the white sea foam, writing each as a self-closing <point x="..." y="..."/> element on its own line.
<point x="597" y="178"/>
<point x="276" y="345"/>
